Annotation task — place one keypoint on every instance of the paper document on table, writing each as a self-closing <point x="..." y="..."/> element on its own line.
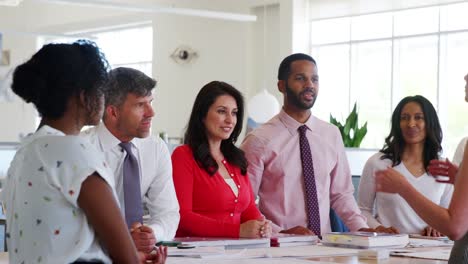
<point x="228" y="243"/>
<point x="176" y="260"/>
<point x="195" y="252"/>
<point x="268" y="261"/>
<point x="442" y="238"/>
<point x="303" y="251"/>
<point x="416" y="242"/>
<point x="438" y="254"/>
<point x="237" y="254"/>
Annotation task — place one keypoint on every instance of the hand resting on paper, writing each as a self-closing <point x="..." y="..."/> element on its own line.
<point x="432" y="232"/>
<point x="388" y="230"/>
<point x="298" y="230"/>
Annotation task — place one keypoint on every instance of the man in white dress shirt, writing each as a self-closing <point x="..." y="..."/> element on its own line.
<point x="127" y="118"/>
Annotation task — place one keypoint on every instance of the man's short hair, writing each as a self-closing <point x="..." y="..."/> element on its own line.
<point x="285" y="66"/>
<point x="123" y="81"/>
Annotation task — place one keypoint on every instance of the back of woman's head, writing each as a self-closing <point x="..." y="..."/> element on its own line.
<point x="395" y="142"/>
<point x="195" y="135"/>
<point x="58" y="72"/>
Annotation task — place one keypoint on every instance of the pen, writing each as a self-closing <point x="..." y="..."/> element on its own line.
<point x="168" y="243"/>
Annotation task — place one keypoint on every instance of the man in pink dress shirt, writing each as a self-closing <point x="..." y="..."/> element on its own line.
<point x="274" y="157"/>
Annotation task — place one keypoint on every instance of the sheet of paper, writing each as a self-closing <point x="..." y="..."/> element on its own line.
<point x="195" y="252"/>
<point x="416" y="242"/>
<point x="262" y="253"/>
<point x="303" y="251"/>
<point x="176" y="260"/>
<point x="438" y="254"/>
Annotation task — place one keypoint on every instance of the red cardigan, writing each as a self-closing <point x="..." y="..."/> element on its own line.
<point x="208" y="207"/>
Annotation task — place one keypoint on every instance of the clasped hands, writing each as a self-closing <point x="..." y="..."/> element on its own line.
<point x="256" y="228"/>
<point x="144" y="239"/>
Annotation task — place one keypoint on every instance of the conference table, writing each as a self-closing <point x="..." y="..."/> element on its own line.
<point x="313" y="260"/>
<point x="317" y="254"/>
<point x="391" y="260"/>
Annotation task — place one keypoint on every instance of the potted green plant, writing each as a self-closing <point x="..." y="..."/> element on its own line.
<point x="350" y="131"/>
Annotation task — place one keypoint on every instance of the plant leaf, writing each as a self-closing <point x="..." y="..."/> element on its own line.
<point x="359" y="135"/>
<point x="350" y="132"/>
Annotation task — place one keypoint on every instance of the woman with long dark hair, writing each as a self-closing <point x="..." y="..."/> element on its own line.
<point x="414" y="140"/>
<point x="214" y="192"/>
<point x="450" y="221"/>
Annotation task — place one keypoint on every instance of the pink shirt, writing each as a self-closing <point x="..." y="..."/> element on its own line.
<point x="275" y="172"/>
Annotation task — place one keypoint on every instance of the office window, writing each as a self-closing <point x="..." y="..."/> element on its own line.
<point x="334" y="68"/>
<point x="127" y="47"/>
<point x="371" y="64"/>
<point x="377" y="59"/>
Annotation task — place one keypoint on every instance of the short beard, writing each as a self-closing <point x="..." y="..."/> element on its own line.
<point x="293" y="99"/>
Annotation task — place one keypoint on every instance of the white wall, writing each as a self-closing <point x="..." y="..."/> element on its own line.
<point x="17" y="25"/>
<point x="264" y="53"/>
<point x="16" y="117"/>
<point x="227" y="50"/>
<point x="221" y="48"/>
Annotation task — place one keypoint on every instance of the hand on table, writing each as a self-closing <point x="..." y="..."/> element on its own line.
<point x="298" y="230"/>
<point x="429" y="231"/>
<point x="388" y="230"/>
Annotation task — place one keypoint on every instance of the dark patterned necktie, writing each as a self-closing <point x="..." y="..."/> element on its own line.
<point x="313" y="213"/>
<point x="131" y="187"/>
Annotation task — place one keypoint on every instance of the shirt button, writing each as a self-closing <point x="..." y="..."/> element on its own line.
<point x="232" y="214"/>
<point x="232" y="174"/>
<point x="238" y="186"/>
<point x="224" y="162"/>
<point x="235" y="200"/>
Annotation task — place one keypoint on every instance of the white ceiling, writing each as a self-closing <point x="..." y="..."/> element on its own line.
<point x="236" y="10"/>
<point x="219" y="5"/>
<point x="336" y="8"/>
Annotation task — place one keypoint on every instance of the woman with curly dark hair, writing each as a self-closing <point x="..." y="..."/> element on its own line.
<point x="414" y="140"/>
<point x="214" y="192"/>
<point x="59" y="194"/>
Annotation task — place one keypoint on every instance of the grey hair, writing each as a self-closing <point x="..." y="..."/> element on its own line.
<point x="123" y="81"/>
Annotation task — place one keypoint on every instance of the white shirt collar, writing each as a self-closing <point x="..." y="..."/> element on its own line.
<point x="107" y="139"/>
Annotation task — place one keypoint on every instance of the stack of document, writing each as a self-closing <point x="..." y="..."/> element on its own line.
<point x="365" y="239"/>
<point x="228" y="243"/>
<point x="196" y="252"/>
<point x="441" y="238"/>
<point x="289" y="240"/>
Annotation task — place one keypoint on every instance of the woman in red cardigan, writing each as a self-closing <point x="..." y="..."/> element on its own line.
<point x="214" y="192"/>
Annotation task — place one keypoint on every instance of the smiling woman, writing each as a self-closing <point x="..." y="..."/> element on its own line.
<point x="214" y="192"/>
<point x="414" y="140"/>
<point x="452" y="220"/>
